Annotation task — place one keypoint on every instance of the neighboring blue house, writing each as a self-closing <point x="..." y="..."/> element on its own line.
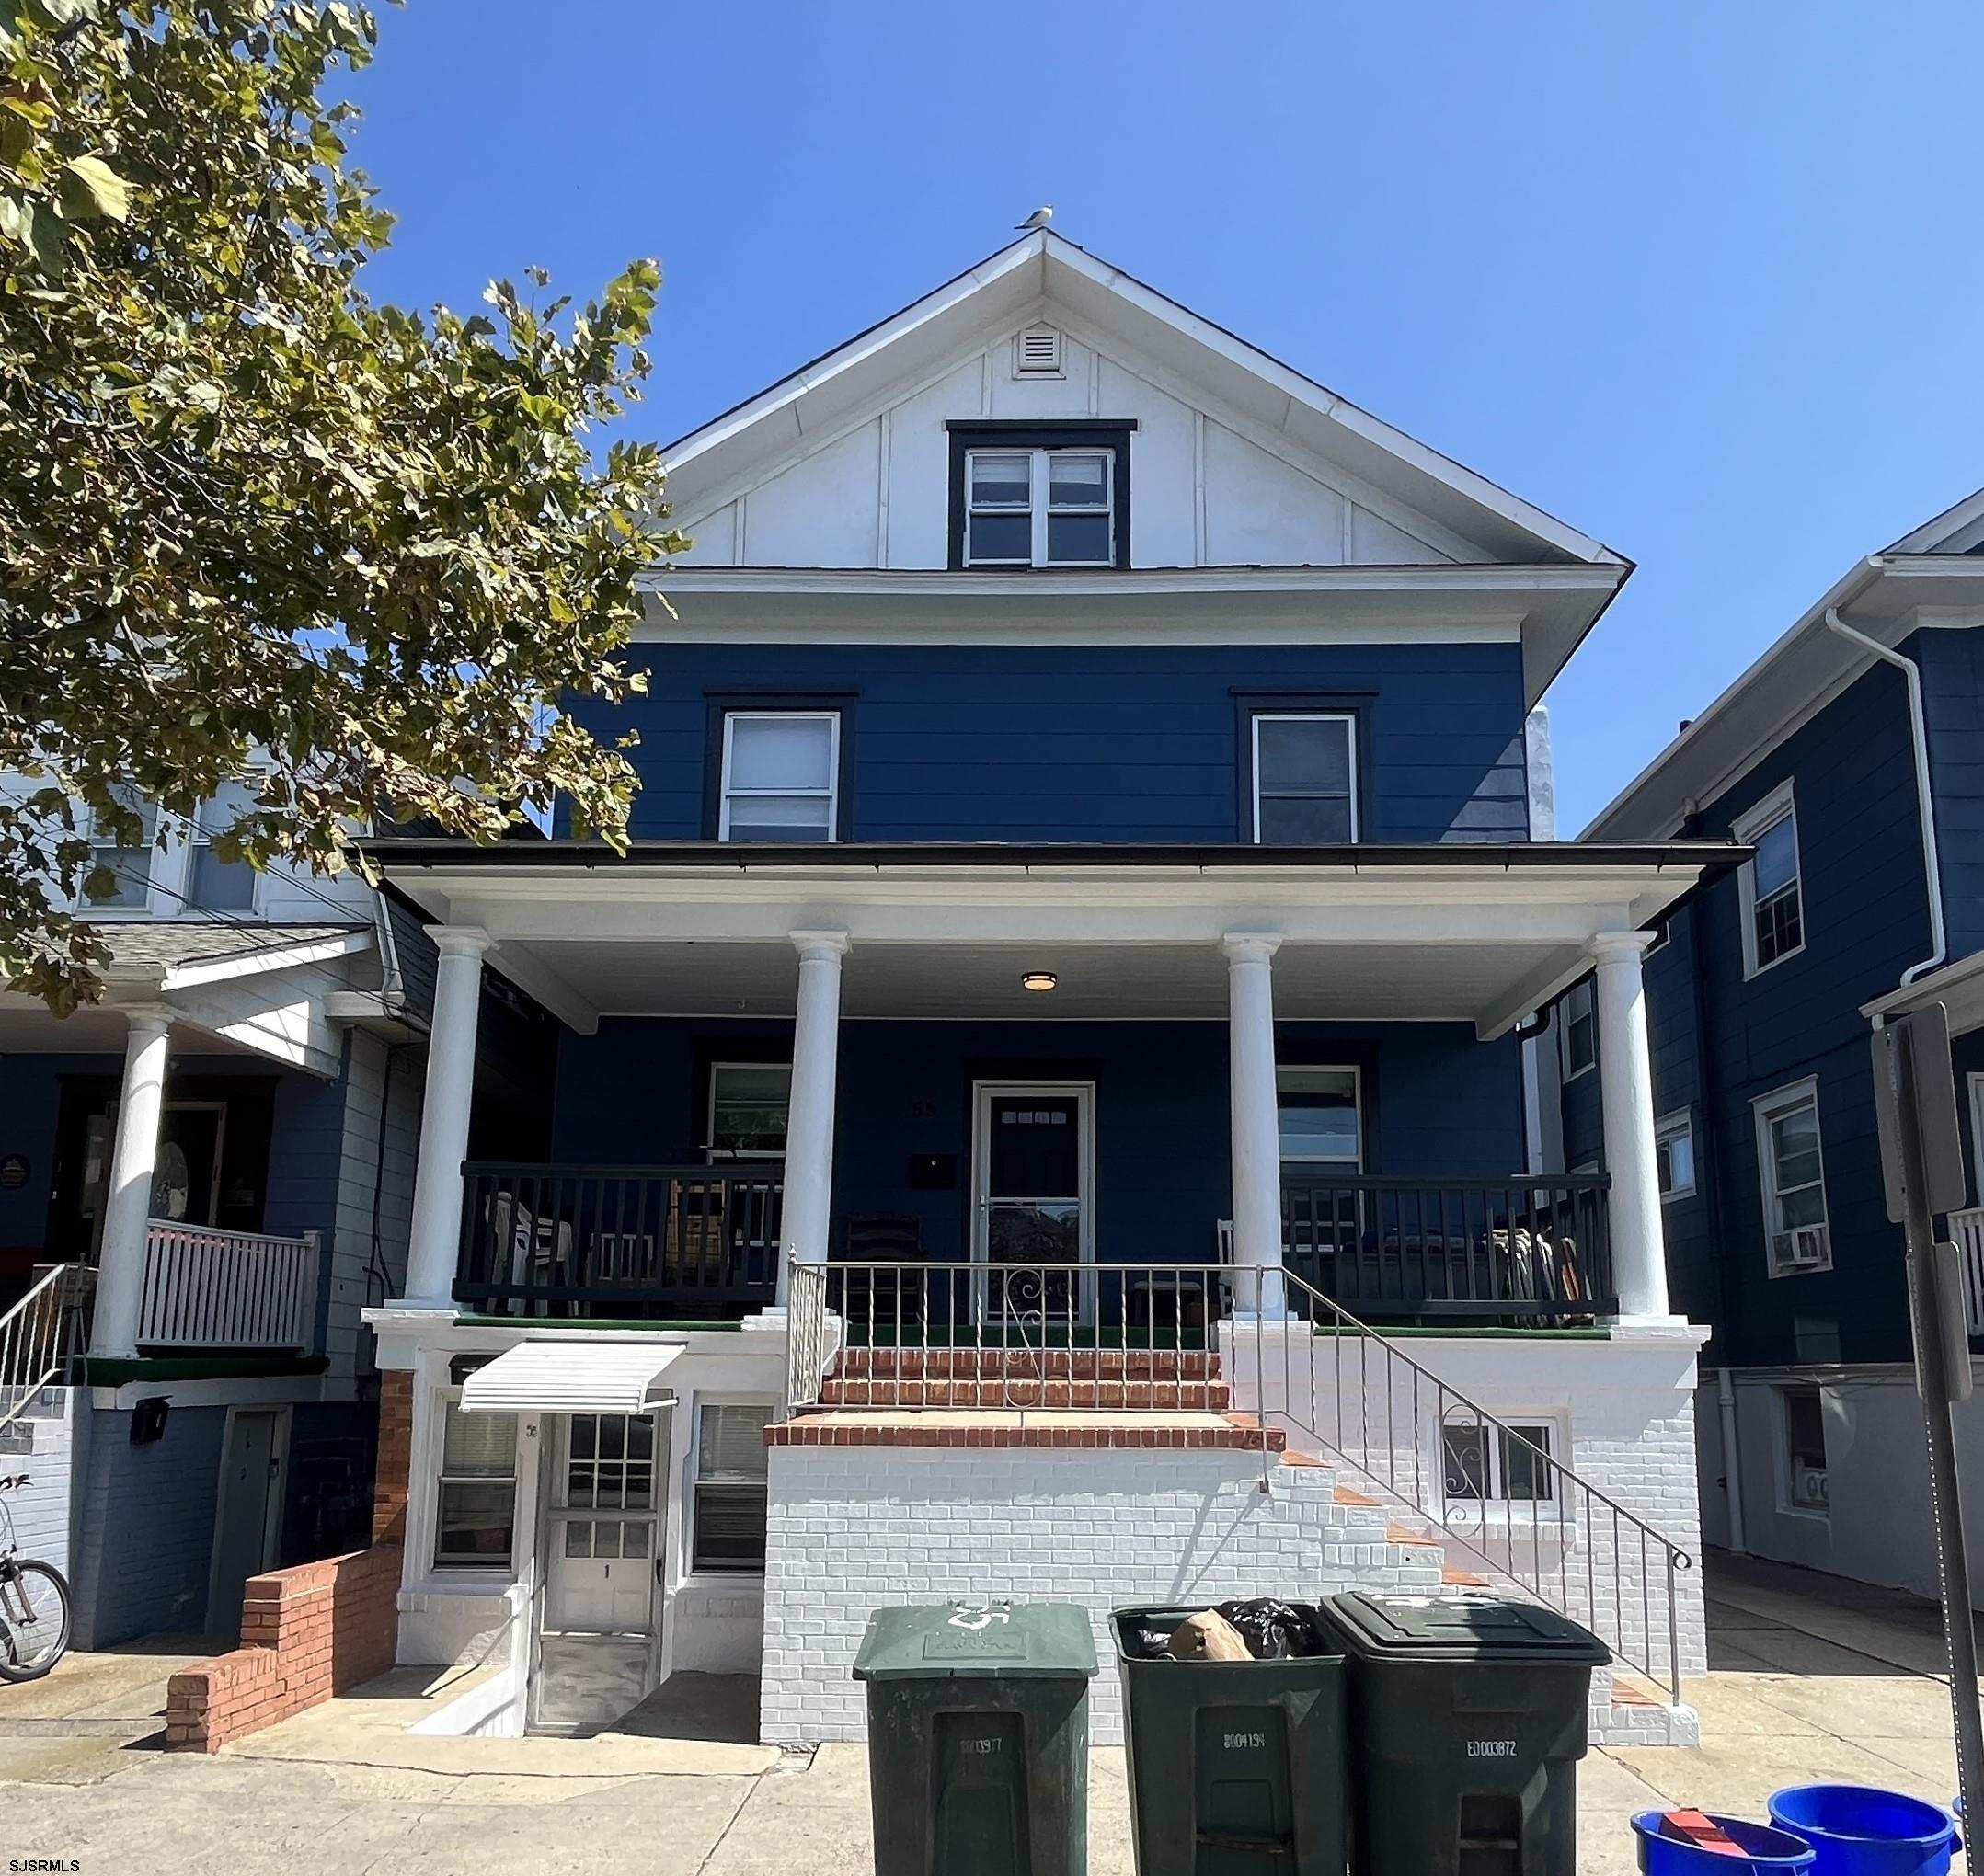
<point x="1822" y="757"/>
<point x="1085" y="839"/>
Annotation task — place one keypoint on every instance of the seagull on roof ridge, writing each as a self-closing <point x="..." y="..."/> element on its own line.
<point x="1038" y="219"/>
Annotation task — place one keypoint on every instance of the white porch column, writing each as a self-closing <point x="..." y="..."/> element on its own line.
<point x="1626" y="1085"/>
<point x="436" y="1241"/>
<point x="128" y="1207"/>
<point x="816" y="1048"/>
<point x="1256" y="1122"/>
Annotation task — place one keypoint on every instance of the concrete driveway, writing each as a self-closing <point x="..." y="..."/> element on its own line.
<point x="1812" y="1679"/>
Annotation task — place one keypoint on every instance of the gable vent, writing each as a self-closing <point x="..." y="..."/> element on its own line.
<point x="1036" y="354"/>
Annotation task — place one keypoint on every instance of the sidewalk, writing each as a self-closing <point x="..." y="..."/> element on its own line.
<point x="1811" y="1678"/>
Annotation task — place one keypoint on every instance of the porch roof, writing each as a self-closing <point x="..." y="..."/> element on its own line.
<point x="1483" y="933"/>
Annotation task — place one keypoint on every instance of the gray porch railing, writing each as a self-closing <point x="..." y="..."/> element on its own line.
<point x="1092" y="1337"/>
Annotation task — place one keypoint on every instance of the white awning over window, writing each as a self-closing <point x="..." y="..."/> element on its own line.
<point x="581" y="1374"/>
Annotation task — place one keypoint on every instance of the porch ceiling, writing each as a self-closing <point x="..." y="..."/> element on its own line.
<point x="1473" y="934"/>
<point x="1151" y="980"/>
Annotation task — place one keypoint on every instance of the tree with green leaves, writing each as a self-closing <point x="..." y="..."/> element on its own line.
<point x="248" y="514"/>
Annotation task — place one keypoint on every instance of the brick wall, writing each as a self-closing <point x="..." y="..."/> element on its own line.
<point x="43" y="1445"/>
<point x="851" y="1529"/>
<point x="390" y="1478"/>
<point x="307" y="1633"/>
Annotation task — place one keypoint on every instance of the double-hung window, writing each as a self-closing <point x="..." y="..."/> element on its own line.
<point x="728" y="1530"/>
<point x="475" y="1516"/>
<point x="1580" y="1031"/>
<point x="780" y="776"/>
<point x="126" y="871"/>
<point x="748" y="1105"/>
<point x="1039" y="508"/>
<point x="215" y="884"/>
<point x="1674" y="1153"/>
<point x="1772" y="895"/>
<point x="1319" y="1117"/>
<point x="1802" y="1411"/>
<point x="1792" y="1174"/>
<point x="1305" y="778"/>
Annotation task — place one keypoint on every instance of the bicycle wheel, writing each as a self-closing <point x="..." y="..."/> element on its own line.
<point x="34" y="1620"/>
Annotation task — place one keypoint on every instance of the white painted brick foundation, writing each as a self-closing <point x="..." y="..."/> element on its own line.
<point x="42" y="1444"/>
<point x="1624" y="1404"/>
<point x="853" y="1529"/>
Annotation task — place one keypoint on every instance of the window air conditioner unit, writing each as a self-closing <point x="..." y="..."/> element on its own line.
<point x="1805" y="1247"/>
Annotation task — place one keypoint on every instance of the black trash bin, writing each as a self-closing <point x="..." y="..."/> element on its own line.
<point x="978" y="1738"/>
<point x="1468" y="1716"/>
<point x="1236" y="1767"/>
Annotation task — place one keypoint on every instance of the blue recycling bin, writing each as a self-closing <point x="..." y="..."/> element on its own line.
<point x="1665" y="1851"/>
<point x="1859" y="1830"/>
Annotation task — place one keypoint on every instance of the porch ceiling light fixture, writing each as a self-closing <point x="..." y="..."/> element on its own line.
<point x="1039" y="981"/>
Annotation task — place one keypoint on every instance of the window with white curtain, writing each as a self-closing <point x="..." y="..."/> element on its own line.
<point x="780" y="776"/>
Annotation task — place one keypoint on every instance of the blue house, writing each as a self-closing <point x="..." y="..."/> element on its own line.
<point x="1848" y="757"/>
<point x="1082" y="900"/>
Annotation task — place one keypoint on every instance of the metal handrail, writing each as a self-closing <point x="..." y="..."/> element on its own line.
<point x="940" y="1335"/>
<point x="35" y="1340"/>
<point x="1580" y="1513"/>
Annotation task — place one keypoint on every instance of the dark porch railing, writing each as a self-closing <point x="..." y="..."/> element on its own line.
<point x="639" y="1242"/>
<point x="1525" y="1248"/>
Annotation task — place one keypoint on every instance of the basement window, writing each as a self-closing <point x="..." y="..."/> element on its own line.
<point x="730" y="1491"/>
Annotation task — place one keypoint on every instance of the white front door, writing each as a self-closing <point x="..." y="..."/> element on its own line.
<point x="1033" y="1210"/>
<point x="602" y="1539"/>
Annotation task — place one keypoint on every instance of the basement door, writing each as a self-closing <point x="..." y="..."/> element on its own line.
<point x="1033" y="1184"/>
<point x="599" y="1562"/>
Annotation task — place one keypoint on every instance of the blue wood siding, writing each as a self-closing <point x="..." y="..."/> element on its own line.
<point x="1719" y="1042"/>
<point x="1096" y="743"/>
<point x="1952" y="710"/>
<point x="1437" y="1103"/>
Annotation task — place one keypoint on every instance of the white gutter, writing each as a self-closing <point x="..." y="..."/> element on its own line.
<point x="1925" y="801"/>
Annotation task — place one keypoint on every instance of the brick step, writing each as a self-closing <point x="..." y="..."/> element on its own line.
<point x="986" y="1427"/>
<point x="1027" y="1391"/>
<point x="1063" y="1364"/>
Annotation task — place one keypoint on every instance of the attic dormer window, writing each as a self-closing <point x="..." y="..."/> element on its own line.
<point x="1039" y="497"/>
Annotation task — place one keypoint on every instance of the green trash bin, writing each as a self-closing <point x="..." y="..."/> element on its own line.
<point x="978" y="1738"/>
<point x="1236" y="1767"/>
<point x="1468" y="1716"/>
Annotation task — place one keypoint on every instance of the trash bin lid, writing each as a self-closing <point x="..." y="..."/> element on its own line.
<point x="1453" y="1628"/>
<point x="977" y="1642"/>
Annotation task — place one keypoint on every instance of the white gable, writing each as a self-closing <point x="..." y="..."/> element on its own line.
<point x="1236" y="460"/>
<point x="1209" y="487"/>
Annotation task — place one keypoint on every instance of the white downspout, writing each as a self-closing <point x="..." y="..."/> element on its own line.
<point x="1732" y="1459"/>
<point x="1925" y="801"/>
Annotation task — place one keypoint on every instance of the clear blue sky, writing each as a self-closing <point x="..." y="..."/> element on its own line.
<point x="1703" y="279"/>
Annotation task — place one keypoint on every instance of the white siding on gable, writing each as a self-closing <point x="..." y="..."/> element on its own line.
<point x="1203" y="490"/>
<point x="821" y="511"/>
<point x="1261" y="512"/>
<point x="1376" y="543"/>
